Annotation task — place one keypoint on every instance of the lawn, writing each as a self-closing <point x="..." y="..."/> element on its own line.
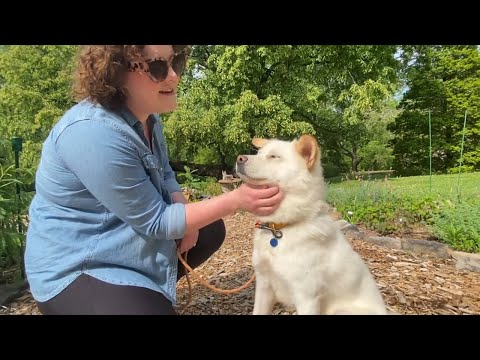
<point x="448" y="206"/>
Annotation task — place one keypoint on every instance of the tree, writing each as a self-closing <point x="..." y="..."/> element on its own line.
<point x="444" y="81"/>
<point x="460" y="67"/>
<point x="233" y="93"/>
<point x="376" y="154"/>
<point x="35" y="93"/>
<point x="231" y="101"/>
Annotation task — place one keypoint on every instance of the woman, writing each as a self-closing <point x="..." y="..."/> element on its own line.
<point x="108" y="214"/>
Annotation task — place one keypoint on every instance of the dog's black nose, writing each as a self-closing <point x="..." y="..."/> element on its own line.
<point x="242" y="159"/>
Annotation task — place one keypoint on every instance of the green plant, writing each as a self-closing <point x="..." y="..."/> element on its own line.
<point x="372" y="206"/>
<point x="376" y="205"/>
<point x="191" y="180"/>
<point x="212" y="187"/>
<point x="13" y="212"/>
<point x="462" y="169"/>
<point x="457" y="225"/>
<point x="197" y="187"/>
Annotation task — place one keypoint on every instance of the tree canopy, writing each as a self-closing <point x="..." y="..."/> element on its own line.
<point x="443" y="81"/>
<point x="348" y="96"/>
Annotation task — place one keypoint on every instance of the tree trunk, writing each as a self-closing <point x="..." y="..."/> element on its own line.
<point x="355" y="159"/>
<point x="355" y="163"/>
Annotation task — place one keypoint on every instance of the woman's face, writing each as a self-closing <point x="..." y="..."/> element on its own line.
<point x="152" y="82"/>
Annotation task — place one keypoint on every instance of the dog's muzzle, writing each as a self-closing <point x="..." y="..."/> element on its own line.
<point x="240" y="166"/>
<point x="242" y="159"/>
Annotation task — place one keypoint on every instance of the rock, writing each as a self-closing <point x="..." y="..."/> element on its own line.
<point x="389" y="242"/>
<point x="426" y="246"/>
<point x="346" y="226"/>
<point x="466" y="261"/>
<point x="12" y="291"/>
<point x="355" y="235"/>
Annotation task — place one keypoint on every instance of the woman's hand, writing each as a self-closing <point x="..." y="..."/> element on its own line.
<point x="188" y="241"/>
<point x="259" y="200"/>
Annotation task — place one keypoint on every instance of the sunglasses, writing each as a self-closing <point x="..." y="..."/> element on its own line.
<point x="158" y="67"/>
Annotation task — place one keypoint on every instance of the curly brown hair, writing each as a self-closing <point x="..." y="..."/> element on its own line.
<point x="101" y="70"/>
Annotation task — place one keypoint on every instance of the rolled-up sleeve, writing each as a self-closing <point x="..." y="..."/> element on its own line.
<point x="109" y="166"/>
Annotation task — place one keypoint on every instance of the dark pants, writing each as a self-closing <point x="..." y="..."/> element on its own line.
<point x="90" y="296"/>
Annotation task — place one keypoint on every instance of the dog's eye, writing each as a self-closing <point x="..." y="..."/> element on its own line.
<point x="271" y="156"/>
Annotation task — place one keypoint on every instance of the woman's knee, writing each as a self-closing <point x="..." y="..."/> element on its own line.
<point x="218" y="232"/>
<point x="213" y="235"/>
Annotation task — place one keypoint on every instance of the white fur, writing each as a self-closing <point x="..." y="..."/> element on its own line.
<point x="313" y="268"/>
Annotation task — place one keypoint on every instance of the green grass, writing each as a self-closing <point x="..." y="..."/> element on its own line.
<point x="449" y="210"/>
<point x="442" y="185"/>
<point x="445" y="186"/>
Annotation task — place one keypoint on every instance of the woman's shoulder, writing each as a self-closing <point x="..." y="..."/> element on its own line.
<point x="86" y="114"/>
<point x="87" y="110"/>
<point x="86" y="123"/>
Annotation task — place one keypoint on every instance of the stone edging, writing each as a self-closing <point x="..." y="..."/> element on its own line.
<point x="463" y="260"/>
<point x="10" y="292"/>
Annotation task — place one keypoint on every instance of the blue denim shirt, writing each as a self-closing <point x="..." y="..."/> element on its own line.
<point x="102" y="205"/>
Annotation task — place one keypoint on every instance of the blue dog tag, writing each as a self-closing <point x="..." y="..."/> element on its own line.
<point x="274" y="242"/>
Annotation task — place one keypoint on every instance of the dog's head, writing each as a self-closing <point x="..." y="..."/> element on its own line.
<point x="294" y="166"/>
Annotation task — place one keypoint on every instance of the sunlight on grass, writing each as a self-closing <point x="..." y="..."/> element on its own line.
<point x="450" y="211"/>
<point x="442" y="185"/>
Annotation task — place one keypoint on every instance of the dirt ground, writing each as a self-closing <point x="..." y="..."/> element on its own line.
<point x="410" y="283"/>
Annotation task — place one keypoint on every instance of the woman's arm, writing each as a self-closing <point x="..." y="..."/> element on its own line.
<point x="260" y="201"/>
<point x="108" y="165"/>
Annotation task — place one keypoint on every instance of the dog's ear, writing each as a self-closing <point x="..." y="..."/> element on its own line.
<point x="259" y="142"/>
<point x="307" y="147"/>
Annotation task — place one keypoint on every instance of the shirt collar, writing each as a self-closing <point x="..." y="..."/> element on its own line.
<point x="128" y="116"/>
<point x="132" y="120"/>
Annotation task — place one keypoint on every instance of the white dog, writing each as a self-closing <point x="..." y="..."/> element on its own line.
<point x="300" y="256"/>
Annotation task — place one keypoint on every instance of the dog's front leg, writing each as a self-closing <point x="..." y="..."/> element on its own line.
<point x="264" y="298"/>
<point x="308" y="307"/>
